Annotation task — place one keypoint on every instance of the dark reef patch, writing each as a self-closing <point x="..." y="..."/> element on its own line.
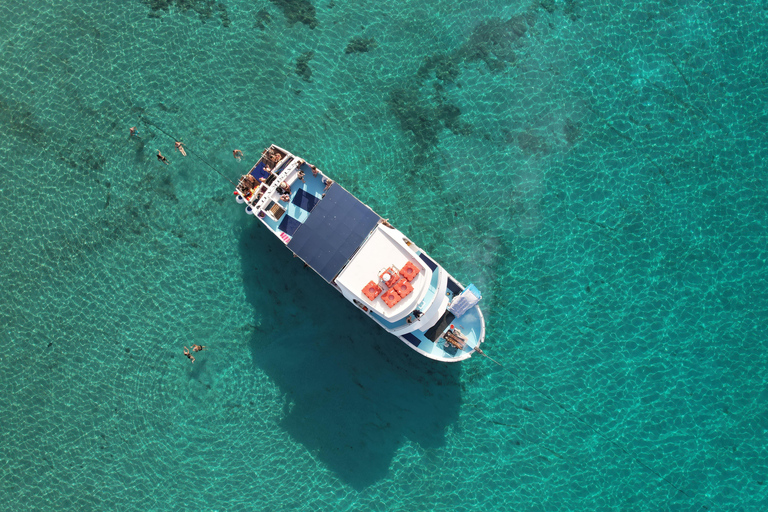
<point x="297" y="11"/>
<point x="425" y="111"/>
<point x="448" y="115"/>
<point x="492" y="41"/>
<point x="572" y="132"/>
<point x="263" y="18"/>
<point x="547" y="5"/>
<point x="302" y="66"/>
<point x="571" y="10"/>
<point x="425" y="119"/>
<point x="359" y="44"/>
<point x="445" y="67"/>
<point x="532" y="144"/>
<point x="414" y="117"/>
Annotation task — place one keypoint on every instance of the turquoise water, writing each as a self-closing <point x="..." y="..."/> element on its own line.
<point x="597" y="170"/>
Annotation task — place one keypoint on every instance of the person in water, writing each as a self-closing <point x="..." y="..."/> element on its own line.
<point x="198" y="348"/>
<point x="133" y="131"/>
<point x="162" y="158"/>
<point x="190" y="356"/>
<point x="237" y="154"/>
<point x="180" y="147"/>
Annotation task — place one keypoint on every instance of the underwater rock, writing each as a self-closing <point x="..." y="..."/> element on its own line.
<point x="445" y="67"/>
<point x="359" y="44"/>
<point x="547" y="5"/>
<point x="414" y="117"/>
<point x="572" y="131"/>
<point x="302" y="66"/>
<point x="425" y="121"/>
<point x="301" y="11"/>
<point x="571" y="10"/>
<point x="262" y="19"/>
<point x="492" y="41"/>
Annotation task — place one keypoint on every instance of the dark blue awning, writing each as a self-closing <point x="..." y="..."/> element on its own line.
<point x="333" y="232"/>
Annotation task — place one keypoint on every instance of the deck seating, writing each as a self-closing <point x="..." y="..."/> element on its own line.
<point x="277" y="210"/>
<point x="455" y="338"/>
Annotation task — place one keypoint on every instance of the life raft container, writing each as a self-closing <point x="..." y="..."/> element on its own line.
<point x="409" y="271"/>
<point x="371" y="290"/>
<point x="389" y="276"/>
<point x="403" y="287"/>
<point x="390" y="298"/>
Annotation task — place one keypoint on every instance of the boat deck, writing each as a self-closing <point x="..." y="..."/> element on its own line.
<point x="304" y="197"/>
<point x="350" y="246"/>
<point x="470" y="324"/>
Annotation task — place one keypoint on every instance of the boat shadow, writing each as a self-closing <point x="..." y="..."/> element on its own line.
<point x="353" y="393"/>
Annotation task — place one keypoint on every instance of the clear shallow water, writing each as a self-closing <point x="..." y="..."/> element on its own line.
<point x="596" y="170"/>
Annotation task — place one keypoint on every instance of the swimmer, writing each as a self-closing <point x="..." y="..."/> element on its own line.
<point x="190" y="356"/>
<point x="180" y="147"/>
<point x="198" y="348"/>
<point x="162" y="158"/>
<point x="237" y="154"/>
<point x="133" y="131"/>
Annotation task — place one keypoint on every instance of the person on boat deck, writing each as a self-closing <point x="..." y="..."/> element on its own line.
<point x="249" y="183"/>
<point x="190" y="356"/>
<point x="180" y="147"/>
<point x="285" y="198"/>
<point x="284" y="188"/>
<point x="315" y="170"/>
<point x="198" y="348"/>
<point x="276" y="156"/>
<point x="301" y="176"/>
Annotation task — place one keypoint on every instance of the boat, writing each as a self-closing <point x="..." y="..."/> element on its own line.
<point x="371" y="263"/>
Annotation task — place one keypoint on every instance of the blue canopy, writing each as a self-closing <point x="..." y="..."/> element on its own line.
<point x="333" y="232"/>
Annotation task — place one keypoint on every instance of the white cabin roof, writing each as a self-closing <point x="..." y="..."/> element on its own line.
<point x="384" y="248"/>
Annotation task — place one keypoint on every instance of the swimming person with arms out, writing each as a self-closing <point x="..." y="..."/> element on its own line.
<point x="198" y="348"/>
<point x="237" y="154"/>
<point x="162" y="158"/>
<point x="190" y="356"/>
<point x="180" y="147"/>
